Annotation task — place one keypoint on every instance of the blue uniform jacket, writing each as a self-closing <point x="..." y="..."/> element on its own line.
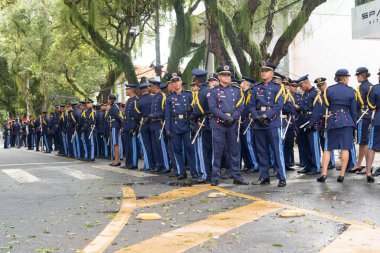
<point x="157" y="111"/>
<point x="311" y="108"/>
<point x="361" y="97"/>
<point x="341" y="102"/>
<point x="267" y="99"/>
<point x="178" y="112"/>
<point x="374" y="103"/>
<point x="114" y="116"/>
<point x="130" y="115"/>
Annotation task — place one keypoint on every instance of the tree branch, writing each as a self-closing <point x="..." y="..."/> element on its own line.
<point x="194" y="7"/>
<point x="268" y="30"/>
<point x="283" y="43"/>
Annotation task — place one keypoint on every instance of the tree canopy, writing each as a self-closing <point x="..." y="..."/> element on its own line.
<point x="55" y="51"/>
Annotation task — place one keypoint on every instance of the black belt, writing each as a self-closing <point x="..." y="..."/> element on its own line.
<point x="263" y="108"/>
<point x="306" y="113"/>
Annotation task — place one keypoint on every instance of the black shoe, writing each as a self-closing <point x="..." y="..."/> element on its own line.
<point x="195" y="176"/>
<point x="240" y="181"/>
<point x="311" y="173"/>
<point x="376" y="173"/>
<point x="214" y="183"/>
<point x="167" y="171"/>
<point x="160" y="172"/>
<point x="200" y="181"/>
<point x="321" y="179"/>
<point x="300" y="164"/>
<point x="262" y="182"/>
<point x="340" y="179"/>
<point x="302" y="171"/>
<point x="181" y="177"/>
<point x="354" y="170"/>
<point x="123" y="167"/>
<point x="225" y="175"/>
<point x="174" y="174"/>
<point x="282" y="183"/>
<point x="287" y="168"/>
<point x="133" y="168"/>
<point x="370" y="179"/>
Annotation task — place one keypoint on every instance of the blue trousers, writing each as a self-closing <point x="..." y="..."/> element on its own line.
<point x="160" y="154"/>
<point x="289" y="146"/>
<point x="247" y="150"/>
<point x="146" y="146"/>
<point x="47" y="143"/>
<point x="182" y="145"/>
<point x="38" y="139"/>
<point x="89" y="145"/>
<point x="6" y="141"/>
<point x="84" y="145"/>
<point x="309" y="141"/>
<point x="130" y="150"/>
<point x="266" y="139"/>
<point x="224" y="140"/>
<point x="204" y="151"/>
<point x="30" y="141"/>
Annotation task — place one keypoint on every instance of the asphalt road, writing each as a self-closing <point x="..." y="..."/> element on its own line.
<point x="55" y="204"/>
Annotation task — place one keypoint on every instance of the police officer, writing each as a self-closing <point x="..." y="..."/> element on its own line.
<point x="70" y="131"/>
<point x="226" y="103"/>
<point x="213" y="80"/>
<point x="115" y="122"/>
<point x="341" y="103"/>
<point x="62" y="130"/>
<point x="156" y="118"/>
<point x="54" y="118"/>
<point x="267" y="101"/>
<point x="130" y="126"/>
<point x="201" y="117"/>
<point x="362" y="75"/>
<point x="81" y="132"/>
<point x="24" y="132"/>
<point x="247" y="148"/>
<point x="143" y="107"/>
<point x="75" y="121"/>
<point x="7" y="134"/>
<point x="88" y="128"/>
<point x="45" y="123"/>
<point x="288" y="115"/>
<point x="178" y="110"/>
<point x="374" y="136"/>
<point x="310" y="115"/>
<point x="103" y="131"/>
<point x="322" y="85"/>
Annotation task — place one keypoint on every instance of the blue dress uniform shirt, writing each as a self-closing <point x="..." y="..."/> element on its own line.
<point x="88" y="119"/>
<point x="267" y="99"/>
<point x="343" y="110"/>
<point x="221" y="107"/>
<point x="201" y="104"/>
<point x="361" y="95"/>
<point x="114" y="114"/>
<point x="311" y="108"/>
<point x="45" y="125"/>
<point x="177" y="112"/>
<point x="157" y="111"/>
<point x="37" y="125"/>
<point x="130" y="115"/>
<point x="374" y="103"/>
<point x="144" y="105"/>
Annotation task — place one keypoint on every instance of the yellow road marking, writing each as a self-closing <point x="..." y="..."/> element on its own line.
<point x="356" y="239"/>
<point x="109" y="233"/>
<point x="184" y="238"/>
<point x="175" y="194"/>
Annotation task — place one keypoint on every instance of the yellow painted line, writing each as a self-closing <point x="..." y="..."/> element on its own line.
<point x="175" y="194"/>
<point x="356" y="239"/>
<point x="184" y="238"/>
<point x="110" y="232"/>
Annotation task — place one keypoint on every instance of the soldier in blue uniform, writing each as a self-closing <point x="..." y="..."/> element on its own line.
<point x="226" y="104"/>
<point x="201" y="117"/>
<point x="364" y="115"/>
<point x="130" y="126"/>
<point x="7" y="134"/>
<point x="267" y="101"/>
<point x="37" y="127"/>
<point x="103" y="130"/>
<point x="177" y="126"/>
<point x="75" y="121"/>
<point x="82" y="139"/>
<point x="310" y="115"/>
<point x="341" y="103"/>
<point x="46" y="129"/>
<point x="213" y="80"/>
<point x="88" y="125"/>
<point x="322" y="85"/>
<point x="156" y="118"/>
<point x="54" y="118"/>
<point x="289" y="113"/>
<point x="248" y="151"/>
<point x="31" y="133"/>
<point x="70" y="130"/>
<point x="374" y="136"/>
<point x="143" y="107"/>
<point x="115" y="122"/>
<point x="17" y="133"/>
<point x="62" y="131"/>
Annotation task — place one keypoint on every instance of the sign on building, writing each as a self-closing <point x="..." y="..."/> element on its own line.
<point x="366" y="20"/>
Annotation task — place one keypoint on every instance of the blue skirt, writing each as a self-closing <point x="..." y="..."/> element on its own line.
<point x="339" y="138"/>
<point x="374" y="141"/>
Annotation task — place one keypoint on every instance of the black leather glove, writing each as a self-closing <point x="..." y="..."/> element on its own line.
<point x="229" y="121"/>
<point x="169" y="134"/>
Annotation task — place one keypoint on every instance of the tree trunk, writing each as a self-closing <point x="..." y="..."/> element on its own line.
<point x="157" y="38"/>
